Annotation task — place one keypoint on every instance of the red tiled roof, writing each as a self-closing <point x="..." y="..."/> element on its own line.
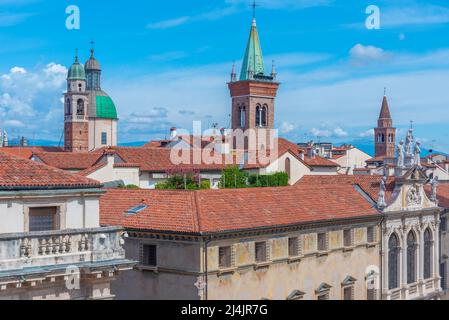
<point x="70" y="160"/>
<point x="318" y="161"/>
<point x="18" y="173"/>
<point x="442" y="194"/>
<point x="369" y="184"/>
<point x="92" y="169"/>
<point x="27" y="152"/>
<point x="209" y="211"/>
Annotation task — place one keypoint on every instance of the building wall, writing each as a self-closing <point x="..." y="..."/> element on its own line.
<point x="177" y="271"/>
<point x="353" y="159"/>
<point x="109" y="173"/>
<point x="297" y="168"/>
<point x="181" y="267"/>
<point x="75" y="212"/>
<point x="282" y="275"/>
<point x="96" y="127"/>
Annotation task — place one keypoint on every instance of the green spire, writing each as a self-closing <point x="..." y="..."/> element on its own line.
<point x="253" y="60"/>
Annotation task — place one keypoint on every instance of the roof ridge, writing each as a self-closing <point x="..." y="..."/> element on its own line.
<point x="196" y="213"/>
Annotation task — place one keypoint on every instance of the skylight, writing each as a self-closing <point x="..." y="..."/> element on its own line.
<point x="136" y="209"/>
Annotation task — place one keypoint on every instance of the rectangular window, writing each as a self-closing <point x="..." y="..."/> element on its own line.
<point x="347" y="238"/>
<point x="348" y="293"/>
<point x="149" y="255"/>
<point x="261" y="251"/>
<point x="42" y="219"/>
<point x="371" y="294"/>
<point x="443" y="224"/>
<point x="371" y="234"/>
<point x="224" y="257"/>
<point x="104" y="138"/>
<point x="322" y="242"/>
<point x="324" y="296"/>
<point x="293" y="247"/>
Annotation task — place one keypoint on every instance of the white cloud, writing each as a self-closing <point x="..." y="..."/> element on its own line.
<point x="287" y="127"/>
<point x="18" y="70"/>
<point x="320" y="133"/>
<point x="14" y="123"/>
<point x="361" y="54"/>
<point x="170" y="23"/>
<point x="340" y="133"/>
<point x="367" y="134"/>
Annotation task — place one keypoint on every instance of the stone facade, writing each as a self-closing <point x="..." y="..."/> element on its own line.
<point x="189" y="267"/>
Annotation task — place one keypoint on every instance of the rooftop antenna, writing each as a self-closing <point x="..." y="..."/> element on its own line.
<point x="385" y="91"/>
<point x="411" y="124"/>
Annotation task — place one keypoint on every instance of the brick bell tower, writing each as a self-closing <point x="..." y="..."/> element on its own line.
<point x="253" y="95"/>
<point x="76" y="121"/>
<point x="385" y="134"/>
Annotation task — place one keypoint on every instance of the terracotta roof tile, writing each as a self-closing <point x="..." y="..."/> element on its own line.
<point x="27" y="152"/>
<point x="70" y="160"/>
<point x="18" y="173"/>
<point x="233" y="209"/>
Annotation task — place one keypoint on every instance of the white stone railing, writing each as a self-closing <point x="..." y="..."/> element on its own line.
<point x="39" y="249"/>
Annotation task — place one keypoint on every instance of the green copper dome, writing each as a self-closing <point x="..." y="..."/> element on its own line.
<point x="76" y="71"/>
<point x="101" y="105"/>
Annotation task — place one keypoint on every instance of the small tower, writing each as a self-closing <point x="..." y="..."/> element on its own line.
<point x="76" y="103"/>
<point x="253" y="96"/>
<point x="102" y="112"/>
<point x="385" y="133"/>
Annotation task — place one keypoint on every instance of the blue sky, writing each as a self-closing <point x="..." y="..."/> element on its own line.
<point x="166" y="63"/>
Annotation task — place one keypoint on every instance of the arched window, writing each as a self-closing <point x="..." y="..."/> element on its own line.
<point x="393" y="262"/>
<point x="411" y="257"/>
<point x="242" y="116"/>
<point x="383" y="138"/>
<point x="80" y="87"/>
<point x="258" y="116"/>
<point x="69" y="107"/>
<point x="80" y="107"/>
<point x="264" y="116"/>
<point x="379" y="138"/>
<point x="287" y="167"/>
<point x="428" y="244"/>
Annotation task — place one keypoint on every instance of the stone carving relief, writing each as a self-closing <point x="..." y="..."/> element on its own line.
<point x="414" y="197"/>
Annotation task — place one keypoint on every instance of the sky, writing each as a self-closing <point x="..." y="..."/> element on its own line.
<point x="166" y="63"/>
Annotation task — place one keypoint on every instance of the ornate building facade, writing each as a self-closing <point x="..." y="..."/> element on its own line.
<point x="410" y="243"/>
<point x="90" y="114"/>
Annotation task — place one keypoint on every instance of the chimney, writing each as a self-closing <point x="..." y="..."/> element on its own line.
<point x="173" y="133"/>
<point x="312" y="153"/>
<point x="302" y="155"/>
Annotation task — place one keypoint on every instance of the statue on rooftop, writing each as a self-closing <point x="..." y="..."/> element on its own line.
<point x="381" y="203"/>
<point x="409" y="143"/>
<point x="434" y="184"/>
<point x="417" y="154"/>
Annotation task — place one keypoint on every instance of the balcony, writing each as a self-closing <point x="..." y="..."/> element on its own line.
<point x="40" y="255"/>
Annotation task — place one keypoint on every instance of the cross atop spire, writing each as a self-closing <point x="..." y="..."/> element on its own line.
<point x="76" y="55"/>
<point x="92" y="47"/>
<point x="254" y="6"/>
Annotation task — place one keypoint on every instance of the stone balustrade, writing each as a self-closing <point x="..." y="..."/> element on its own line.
<point x="62" y="247"/>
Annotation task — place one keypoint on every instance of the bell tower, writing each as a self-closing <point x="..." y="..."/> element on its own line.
<point x="385" y="133"/>
<point x="254" y="93"/>
<point x="76" y="102"/>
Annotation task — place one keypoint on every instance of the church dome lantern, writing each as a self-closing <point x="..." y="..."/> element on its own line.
<point x="92" y="64"/>
<point x="76" y="71"/>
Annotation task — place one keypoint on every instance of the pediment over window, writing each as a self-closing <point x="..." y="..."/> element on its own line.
<point x="348" y="281"/>
<point x="296" y="295"/>
<point x="324" y="287"/>
<point x="415" y="174"/>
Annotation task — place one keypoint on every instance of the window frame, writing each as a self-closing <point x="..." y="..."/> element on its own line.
<point x="145" y="260"/>
<point x="228" y="259"/>
<point x="322" y="244"/>
<point x="257" y="258"/>
<point x="55" y="219"/>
